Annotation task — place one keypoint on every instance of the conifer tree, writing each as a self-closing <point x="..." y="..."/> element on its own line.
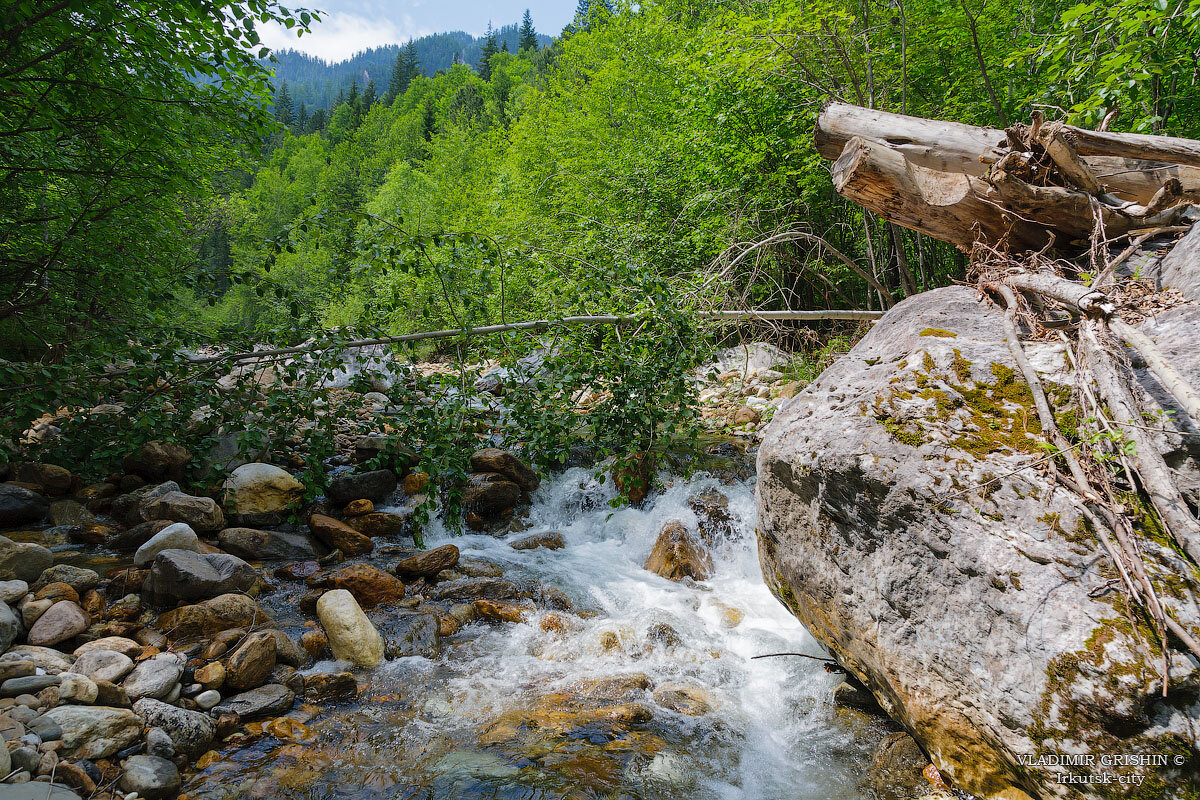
<point x="284" y="110"/>
<point x="412" y="63"/>
<point x="302" y="119"/>
<point x="489" y="50"/>
<point x="582" y="15"/>
<point x="528" y="36"/>
<point x="370" y="95"/>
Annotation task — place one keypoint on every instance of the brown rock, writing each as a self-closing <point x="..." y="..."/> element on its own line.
<point x="789" y="390"/>
<point x="340" y="536"/>
<point x="315" y="643"/>
<point x="493" y="459"/>
<point x="48" y="478"/>
<point x="211" y="676"/>
<point x="157" y="461"/>
<point x="227" y="724"/>
<point x="634" y="477"/>
<point x="249" y="666"/>
<point x="94" y="604"/>
<point x="356" y="508"/>
<point x="560" y="624"/>
<point x="500" y="611"/>
<point x="212" y="616"/>
<point x="487" y="498"/>
<point x="369" y="585"/>
<point x="677" y="554"/>
<point x="744" y="414"/>
<point x="73" y="775"/>
<point x="57" y="591"/>
<point x="127" y="609"/>
<point x="326" y="685"/>
<point x="127" y="581"/>
<point x="428" y="563"/>
<point x="691" y="701"/>
<point x="380" y="523"/>
<point x="110" y="694"/>
<point x="97" y="491"/>
<point x="415" y="482"/>
<point x="62" y="621"/>
<point x="551" y="540"/>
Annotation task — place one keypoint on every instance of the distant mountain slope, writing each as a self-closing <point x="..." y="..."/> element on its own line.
<point x="316" y="84"/>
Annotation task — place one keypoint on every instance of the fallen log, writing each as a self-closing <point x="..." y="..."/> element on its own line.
<point x="1123" y="163"/>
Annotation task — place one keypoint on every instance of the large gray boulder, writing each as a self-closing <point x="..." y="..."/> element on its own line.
<point x="184" y="575"/>
<point x="969" y="594"/>
<point x="19" y="505"/>
<point x="23" y="560"/>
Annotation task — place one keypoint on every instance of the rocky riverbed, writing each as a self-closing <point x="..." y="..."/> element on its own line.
<point x="157" y="642"/>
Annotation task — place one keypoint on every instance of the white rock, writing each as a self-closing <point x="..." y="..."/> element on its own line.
<point x="207" y="699"/>
<point x="351" y="635"/>
<point x="178" y="536"/>
<point x="95" y="731"/>
<point x="105" y="665"/>
<point x="12" y="591"/>
<point x="76" y="688"/>
<point x="155" y="677"/>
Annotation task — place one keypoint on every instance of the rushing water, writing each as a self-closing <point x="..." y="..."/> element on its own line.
<point x="483" y="718"/>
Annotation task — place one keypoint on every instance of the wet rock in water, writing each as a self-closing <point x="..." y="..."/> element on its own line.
<point x="551" y="540"/>
<point x="287" y="650"/>
<point x="265" y="701"/>
<point x="184" y="575"/>
<point x="501" y="611"/>
<point x="475" y="589"/>
<point x="176" y="536"/>
<point x="265" y="545"/>
<point x="107" y="665"/>
<point x="330" y="685"/>
<point x="250" y="664"/>
<point x="191" y="732"/>
<point x="71" y="512"/>
<point x="158" y="461"/>
<point x="261" y="489"/>
<point x="692" y="701"/>
<point x="356" y="508"/>
<point x="428" y="563"/>
<point x="19" y="505"/>
<point x="297" y="571"/>
<point x="488" y="498"/>
<point x="155" y="677"/>
<point x="151" y="777"/>
<point x="138" y="535"/>
<point x="376" y="485"/>
<point x="895" y="772"/>
<point x="478" y="568"/>
<point x="677" y="555"/>
<point x="415" y="483"/>
<point x="63" y="620"/>
<point x="95" y="731"/>
<point x="78" y="578"/>
<point x="382" y="523"/>
<point x="352" y="637"/>
<point x="712" y="517"/>
<point x="340" y="536"/>
<point x="411" y="635"/>
<point x="493" y="459"/>
<point x="21" y="560"/>
<point x="369" y="585"/>
<point x="202" y="513"/>
<point x="212" y="616"/>
<point x="315" y="643"/>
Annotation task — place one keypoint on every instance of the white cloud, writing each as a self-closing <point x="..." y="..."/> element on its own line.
<point x="340" y="35"/>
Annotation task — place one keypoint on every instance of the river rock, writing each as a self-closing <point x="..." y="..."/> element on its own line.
<point x="376" y="485"/>
<point x="428" y="563"/>
<point x="95" y="731"/>
<point x="249" y="665"/>
<point x="265" y="545"/>
<point x="895" y="772"/>
<point x="107" y="665"/>
<point x="202" y="513"/>
<point x="31" y="609"/>
<point x="410" y="634"/>
<point x="71" y="512"/>
<point x="340" y="536"/>
<point x="330" y="685"/>
<point x="19" y="505"/>
<point x="138" y="535"/>
<point x="118" y="644"/>
<point x="62" y="621"/>
<point x="158" y="461"/>
<point x="369" y="585"/>
<point x="36" y="791"/>
<point x="76" y="688"/>
<point x="261" y="489"/>
<point x="677" y="555"/>
<point x="381" y="523"/>
<point x="551" y="540"/>
<point x="184" y="575"/>
<point x="211" y="617"/>
<point x="51" y="478"/>
<point x="155" y="677"/>
<point x="30" y="684"/>
<point x="45" y="658"/>
<point x="22" y="560"/>
<point x="128" y="507"/>
<point x="80" y="579"/>
<point x="10" y="627"/>
<point x="356" y="508"/>
<point x="475" y="589"/>
<point x="151" y="777"/>
<point x="191" y="732"/>
<point x="492" y="459"/>
<point x="981" y="619"/>
<point x="12" y="591"/>
<point x="265" y="701"/>
<point x="352" y="637"/>
<point x="177" y="536"/>
<point x="692" y="701"/>
<point x="490" y="496"/>
<point x="57" y="591"/>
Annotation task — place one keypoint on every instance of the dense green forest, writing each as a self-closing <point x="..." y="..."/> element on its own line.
<point x="161" y="190"/>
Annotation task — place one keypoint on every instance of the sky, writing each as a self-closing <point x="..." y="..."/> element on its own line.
<point x="349" y="26"/>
